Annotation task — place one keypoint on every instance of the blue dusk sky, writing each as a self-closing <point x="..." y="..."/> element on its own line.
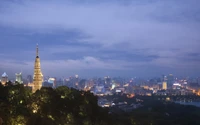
<point x="142" y="38"/>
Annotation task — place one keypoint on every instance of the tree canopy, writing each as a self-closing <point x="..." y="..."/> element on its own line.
<point x="60" y="106"/>
<point x="68" y="106"/>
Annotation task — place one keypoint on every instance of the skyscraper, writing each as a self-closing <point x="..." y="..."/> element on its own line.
<point x="29" y="79"/>
<point x="19" y="78"/>
<point x="4" y="78"/>
<point x="37" y="77"/>
<point x="164" y="85"/>
<point x="170" y="80"/>
<point x="52" y="81"/>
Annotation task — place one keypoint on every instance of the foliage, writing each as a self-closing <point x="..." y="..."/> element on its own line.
<point x="155" y="112"/>
<point x="67" y="106"/>
<point x="60" y="106"/>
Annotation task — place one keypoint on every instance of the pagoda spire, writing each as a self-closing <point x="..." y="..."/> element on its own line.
<point x="37" y="51"/>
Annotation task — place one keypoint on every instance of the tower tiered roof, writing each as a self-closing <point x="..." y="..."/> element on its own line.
<point x="38" y="77"/>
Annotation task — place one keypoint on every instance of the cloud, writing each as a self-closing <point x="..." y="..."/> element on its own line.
<point x="70" y="66"/>
<point x="109" y="23"/>
<point x="107" y="34"/>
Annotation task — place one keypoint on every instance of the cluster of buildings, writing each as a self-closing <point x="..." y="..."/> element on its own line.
<point x="167" y="85"/>
<point x="164" y="85"/>
<point x="35" y="83"/>
<point x="18" y="79"/>
<point x="122" y="105"/>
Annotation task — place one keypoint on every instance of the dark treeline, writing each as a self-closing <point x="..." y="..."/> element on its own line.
<point x="157" y="112"/>
<point x="67" y="106"/>
<point x="60" y="106"/>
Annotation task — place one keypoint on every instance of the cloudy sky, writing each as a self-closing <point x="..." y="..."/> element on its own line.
<point x="142" y="38"/>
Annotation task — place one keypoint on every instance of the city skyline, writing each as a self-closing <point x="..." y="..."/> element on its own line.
<point x="88" y="38"/>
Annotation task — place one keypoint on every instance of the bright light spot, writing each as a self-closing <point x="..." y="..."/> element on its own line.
<point x="49" y="116"/>
<point x="34" y="111"/>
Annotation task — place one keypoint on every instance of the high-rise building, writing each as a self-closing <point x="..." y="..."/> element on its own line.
<point x="4" y="78"/>
<point x="76" y="76"/>
<point x="38" y="77"/>
<point x="164" y="85"/>
<point x="170" y="80"/>
<point x="198" y="81"/>
<point x="29" y="79"/>
<point x="164" y="78"/>
<point x="19" y="78"/>
<point x="52" y="81"/>
<point x="107" y="81"/>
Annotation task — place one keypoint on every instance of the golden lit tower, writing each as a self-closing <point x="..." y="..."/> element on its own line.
<point x="164" y="85"/>
<point x="38" y="77"/>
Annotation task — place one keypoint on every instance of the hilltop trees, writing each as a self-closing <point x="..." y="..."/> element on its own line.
<point x="61" y="106"/>
<point x="67" y="106"/>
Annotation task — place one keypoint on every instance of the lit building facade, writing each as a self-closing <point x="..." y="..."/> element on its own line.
<point x="19" y="78"/>
<point x="4" y="78"/>
<point x="38" y="77"/>
<point x="164" y="85"/>
<point x="52" y="81"/>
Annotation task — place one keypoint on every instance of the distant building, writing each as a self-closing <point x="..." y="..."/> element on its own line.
<point x="119" y="89"/>
<point x="176" y="86"/>
<point x="165" y="78"/>
<point x="107" y="80"/>
<point x="161" y="92"/>
<point x="4" y="78"/>
<point x="76" y="76"/>
<point x="47" y="84"/>
<point x="19" y="78"/>
<point x="170" y="79"/>
<point x="164" y="85"/>
<point x="198" y="81"/>
<point x="52" y="81"/>
<point x="99" y="89"/>
<point x="29" y="79"/>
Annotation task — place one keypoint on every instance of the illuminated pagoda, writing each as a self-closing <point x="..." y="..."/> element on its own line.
<point x="38" y="77"/>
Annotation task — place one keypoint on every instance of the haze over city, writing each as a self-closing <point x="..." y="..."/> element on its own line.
<point x="97" y="38"/>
